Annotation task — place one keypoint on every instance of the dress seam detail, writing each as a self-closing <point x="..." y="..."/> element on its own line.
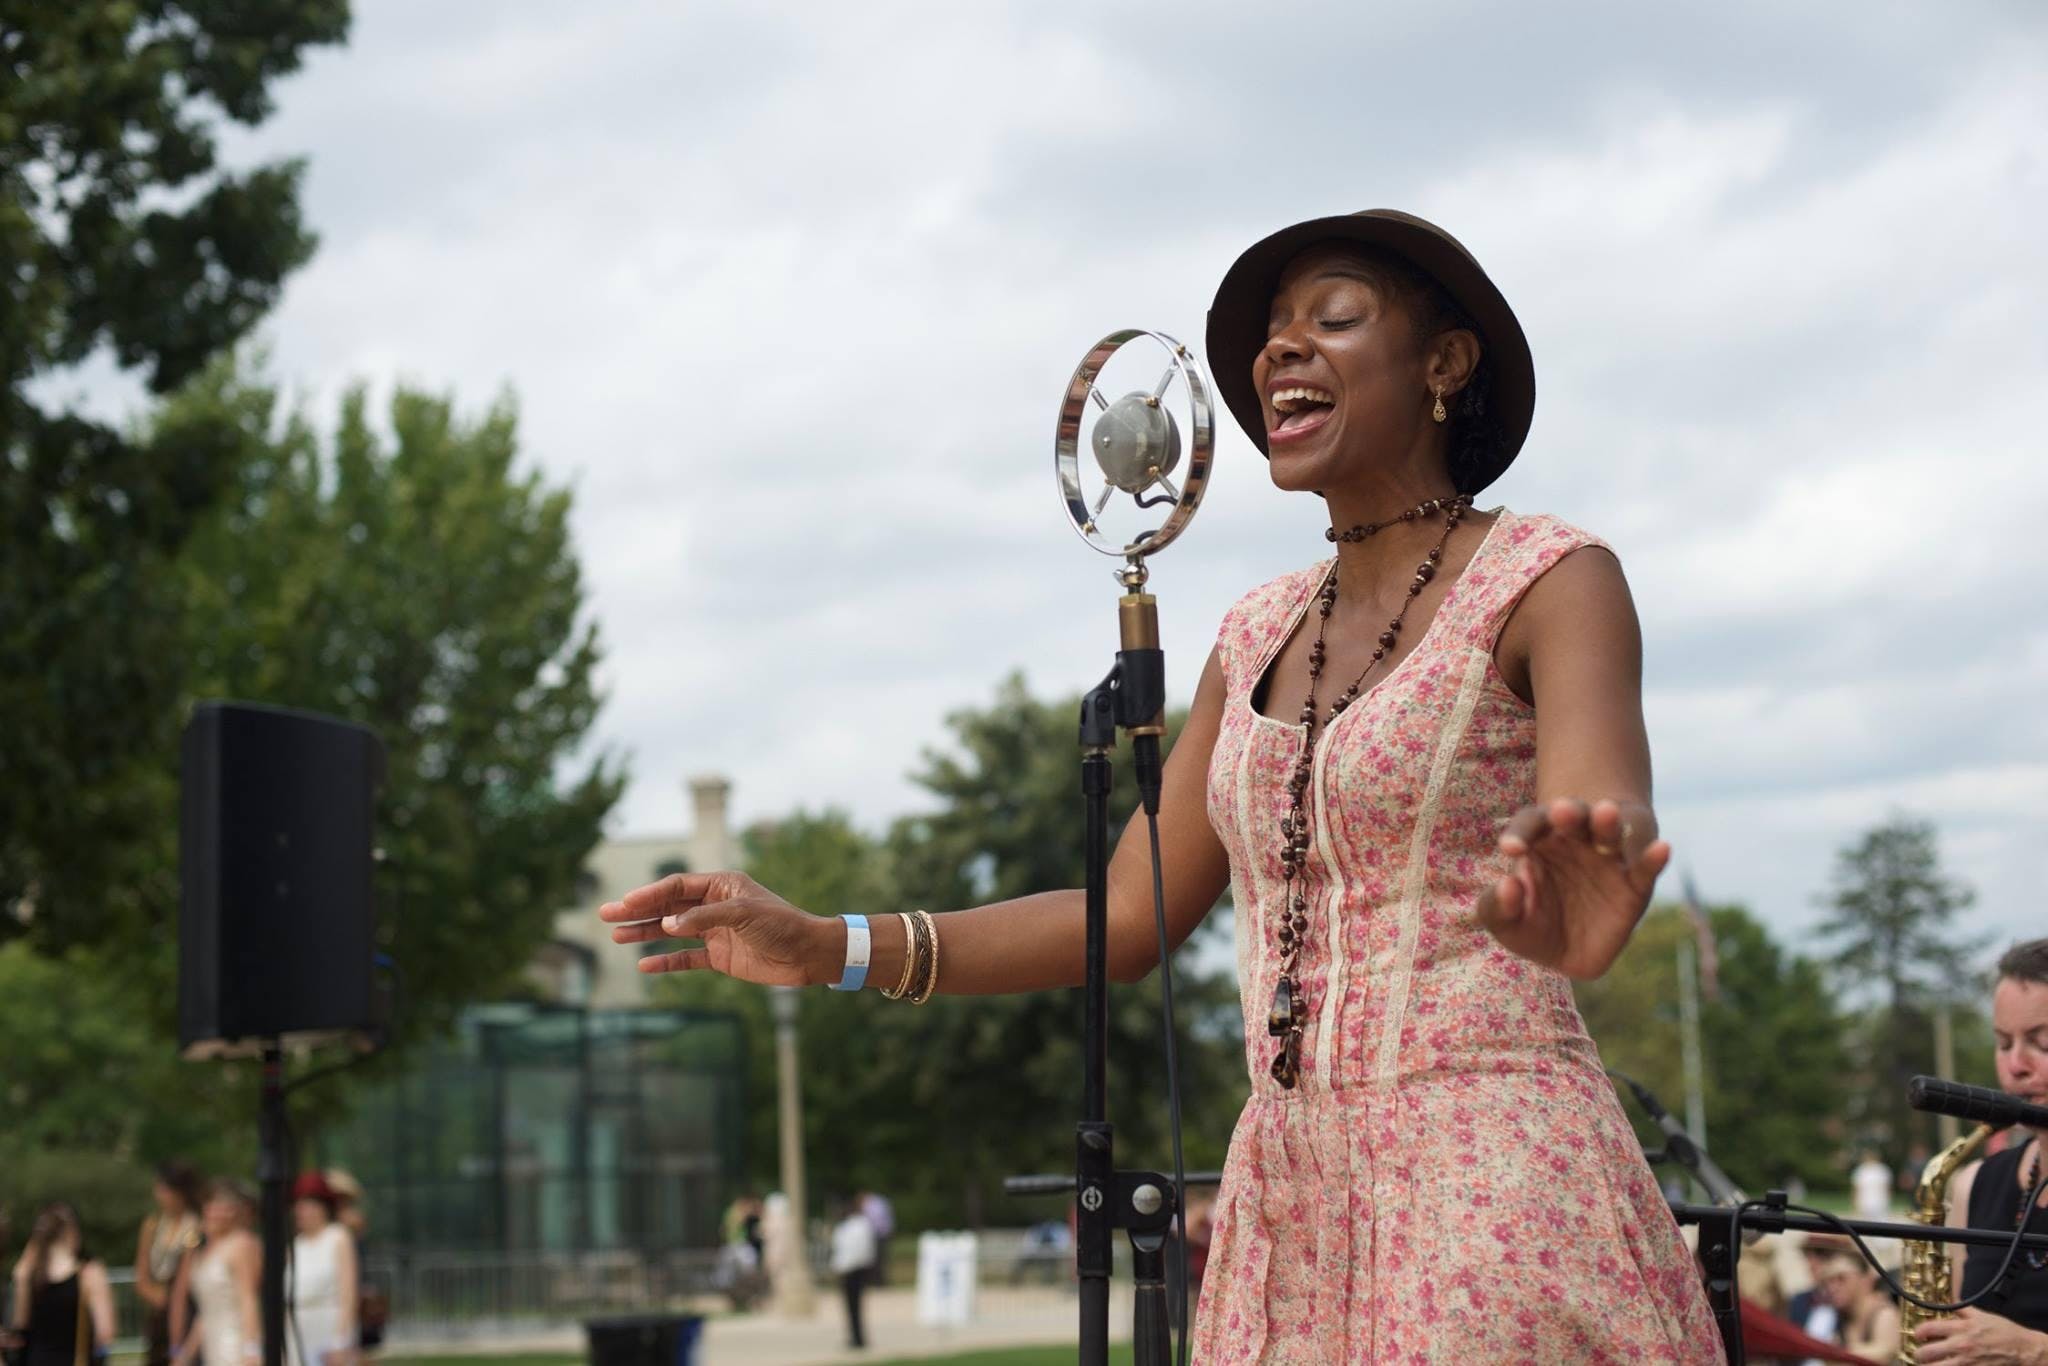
<point x="1449" y="740"/>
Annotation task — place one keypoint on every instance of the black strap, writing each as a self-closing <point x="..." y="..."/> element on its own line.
<point x="1996" y="1297"/>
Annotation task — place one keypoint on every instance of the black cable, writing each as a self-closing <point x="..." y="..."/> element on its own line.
<point x="1180" y="1179"/>
<point x="1932" y="1306"/>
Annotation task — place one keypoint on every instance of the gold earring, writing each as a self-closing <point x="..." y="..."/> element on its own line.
<point x="1438" y="412"/>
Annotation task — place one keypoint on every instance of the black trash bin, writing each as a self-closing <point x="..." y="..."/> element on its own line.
<point x="644" y="1339"/>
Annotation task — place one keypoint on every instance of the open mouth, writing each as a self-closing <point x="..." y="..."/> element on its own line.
<point x="1298" y="411"/>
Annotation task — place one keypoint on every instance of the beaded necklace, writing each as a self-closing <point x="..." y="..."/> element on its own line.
<point x="1290" y="1010"/>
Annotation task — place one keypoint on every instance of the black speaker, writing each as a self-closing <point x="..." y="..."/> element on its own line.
<point x="277" y="930"/>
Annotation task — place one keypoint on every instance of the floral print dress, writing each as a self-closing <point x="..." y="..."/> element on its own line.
<point x="1453" y="1180"/>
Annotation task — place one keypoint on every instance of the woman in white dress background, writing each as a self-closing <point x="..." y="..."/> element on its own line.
<point x="221" y="1278"/>
<point x="320" y="1283"/>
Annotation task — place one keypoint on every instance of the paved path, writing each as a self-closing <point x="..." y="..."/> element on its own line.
<point x="1004" y="1317"/>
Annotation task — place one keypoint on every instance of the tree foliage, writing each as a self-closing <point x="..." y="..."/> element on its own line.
<point x="412" y="579"/>
<point x="1891" y="937"/>
<point x="120" y="234"/>
<point x="108" y="107"/>
<point x="935" y="1105"/>
<point x="91" y="1091"/>
<point x="1775" y="1067"/>
<point x="424" y="586"/>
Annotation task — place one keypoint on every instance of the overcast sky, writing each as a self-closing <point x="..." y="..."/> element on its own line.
<point x="788" y="292"/>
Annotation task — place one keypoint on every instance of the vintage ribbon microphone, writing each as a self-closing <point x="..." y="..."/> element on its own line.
<point x="1136" y="449"/>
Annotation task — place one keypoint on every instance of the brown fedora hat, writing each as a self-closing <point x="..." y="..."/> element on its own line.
<point x="1244" y="301"/>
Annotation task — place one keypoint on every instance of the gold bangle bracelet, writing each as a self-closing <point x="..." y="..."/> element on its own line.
<point x="931" y="979"/>
<point x="923" y="961"/>
<point x="925" y="940"/>
<point x="909" y="958"/>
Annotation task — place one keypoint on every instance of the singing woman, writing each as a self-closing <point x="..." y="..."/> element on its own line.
<point x="1420" y="766"/>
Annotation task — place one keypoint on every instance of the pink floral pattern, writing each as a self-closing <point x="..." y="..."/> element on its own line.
<point x="1453" y="1179"/>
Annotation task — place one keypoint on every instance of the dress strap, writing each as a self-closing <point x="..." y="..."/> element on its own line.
<point x="1518" y="551"/>
<point x="1258" y="624"/>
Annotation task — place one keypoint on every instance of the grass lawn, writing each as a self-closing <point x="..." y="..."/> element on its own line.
<point x="1010" y="1356"/>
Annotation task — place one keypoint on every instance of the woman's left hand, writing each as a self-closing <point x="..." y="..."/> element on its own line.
<point x="1580" y="879"/>
<point x="1980" y="1339"/>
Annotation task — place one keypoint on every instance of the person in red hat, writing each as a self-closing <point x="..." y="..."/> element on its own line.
<point x="1419" y="765"/>
<point x="321" y="1280"/>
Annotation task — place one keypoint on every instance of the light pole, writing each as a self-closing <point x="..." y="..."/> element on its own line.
<point x="1947" y="1127"/>
<point x="793" y="1286"/>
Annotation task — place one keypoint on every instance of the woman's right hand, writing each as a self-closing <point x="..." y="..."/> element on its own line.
<point x="748" y="931"/>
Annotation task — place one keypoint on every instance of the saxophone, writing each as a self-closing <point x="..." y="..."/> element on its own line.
<point x="1925" y="1269"/>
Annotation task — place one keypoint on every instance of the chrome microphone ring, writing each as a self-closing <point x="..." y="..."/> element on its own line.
<point x="1200" y="435"/>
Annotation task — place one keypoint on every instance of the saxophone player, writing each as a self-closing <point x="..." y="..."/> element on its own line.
<point x="2011" y="1327"/>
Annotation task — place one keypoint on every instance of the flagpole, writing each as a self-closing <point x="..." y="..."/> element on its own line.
<point x="1699" y="966"/>
<point x="1689" y="1044"/>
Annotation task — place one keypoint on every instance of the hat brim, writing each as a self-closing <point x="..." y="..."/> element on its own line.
<point x="1238" y="317"/>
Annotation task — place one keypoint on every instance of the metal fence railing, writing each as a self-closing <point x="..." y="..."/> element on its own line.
<point x="452" y="1295"/>
<point x="456" y="1295"/>
<point x="128" y="1311"/>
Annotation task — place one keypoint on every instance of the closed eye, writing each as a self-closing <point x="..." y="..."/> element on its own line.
<point x="1336" y="324"/>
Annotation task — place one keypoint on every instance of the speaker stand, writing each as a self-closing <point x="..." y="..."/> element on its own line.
<point x="273" y="1170"/>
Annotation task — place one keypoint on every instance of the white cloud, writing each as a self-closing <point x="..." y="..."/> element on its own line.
<point x="790" y="291"/>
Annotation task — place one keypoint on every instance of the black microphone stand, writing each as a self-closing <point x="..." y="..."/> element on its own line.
<point x="1142" y="1203"/>
<point x="1718" y="1253"/>
<point x="1679" y="1147"/>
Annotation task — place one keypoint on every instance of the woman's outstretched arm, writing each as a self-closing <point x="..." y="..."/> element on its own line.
<point x="1027" y="944"/>
<point x="1585" y="856"/>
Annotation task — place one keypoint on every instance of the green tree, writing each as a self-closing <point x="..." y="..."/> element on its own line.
<point x="1775" y="1065"/>
<point x="1008" y="824"/>
<point x="935" y="1105"/>
<point x="92" y="1091"/>
<point x="822" y="862"/>
<point x="120" y="235"/>
<point x="426" y="587"/>
<point x="1890" y="934"/>
<point x="420" y="584"/>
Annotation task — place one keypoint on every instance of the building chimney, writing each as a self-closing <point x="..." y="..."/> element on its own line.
<point x="712" y="833"/>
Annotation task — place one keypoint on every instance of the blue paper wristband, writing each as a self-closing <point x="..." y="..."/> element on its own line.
<point x="859" y="949"/>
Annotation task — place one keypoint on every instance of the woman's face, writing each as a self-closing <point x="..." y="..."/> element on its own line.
<point x="1847" y="1282"/>
<point x="1817" y="1270"/>
<point x="2019" y="1032"/>
<point x="310" y="1215"/>
<point x="223" y="1214"/>
<point x="167" y="1199"/>
<point x="1342" y="377"/>
<point x="65" y="1238"/>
